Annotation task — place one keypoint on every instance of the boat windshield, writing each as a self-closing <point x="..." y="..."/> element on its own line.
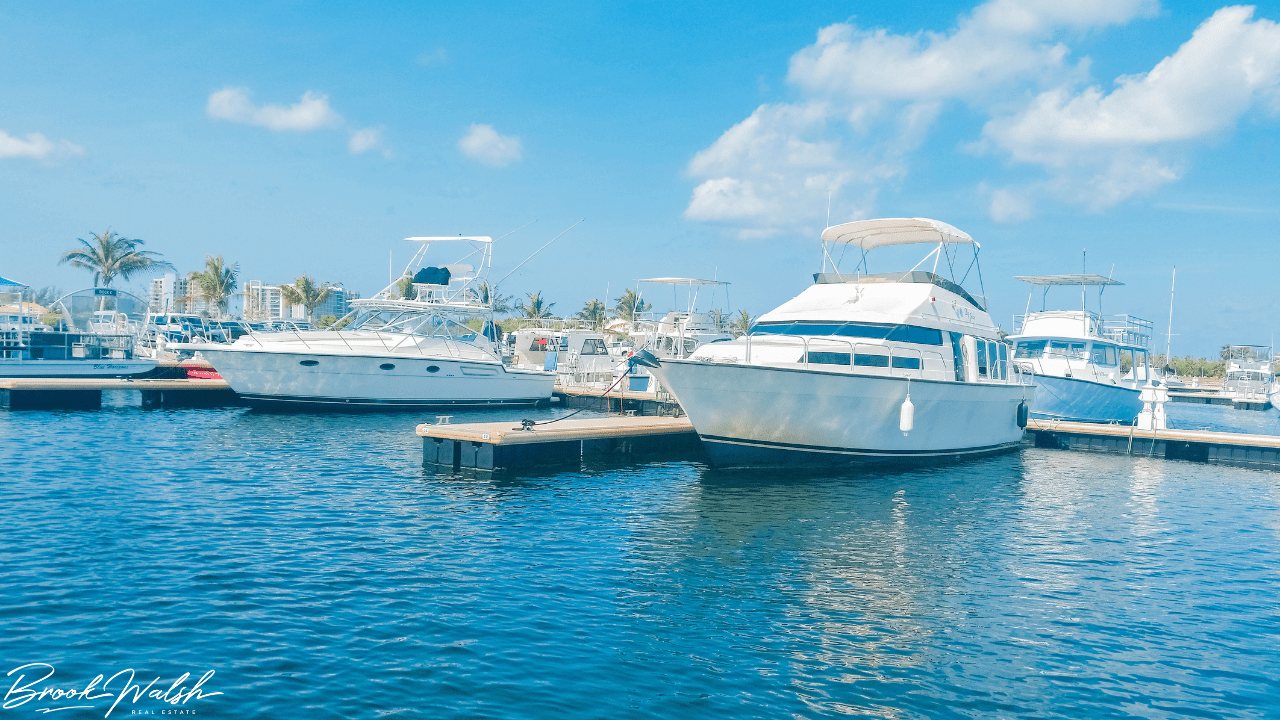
<point x="409" y="322"/>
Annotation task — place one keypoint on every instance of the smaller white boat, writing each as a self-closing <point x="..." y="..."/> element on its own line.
<point x="1079" y="357"/>
<point x="1249" y="375"/>
<point x="93" y="337"/>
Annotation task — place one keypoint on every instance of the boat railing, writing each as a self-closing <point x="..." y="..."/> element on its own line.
<point x="1128" y="330"/>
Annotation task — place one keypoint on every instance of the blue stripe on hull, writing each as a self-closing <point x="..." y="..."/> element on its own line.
<point x="1076" y="400"/>
<point x="732" y="453"/>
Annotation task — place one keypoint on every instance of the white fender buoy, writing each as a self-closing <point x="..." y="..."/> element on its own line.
<point x="907" y="418"/>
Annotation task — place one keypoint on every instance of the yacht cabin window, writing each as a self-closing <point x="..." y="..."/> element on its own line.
<point x="1004" y="361"/>
<point x="1029" y="350"/>
<point x="981" y="351"/>
<point x="594" y="346"/>
<point x="1069" y="350"/>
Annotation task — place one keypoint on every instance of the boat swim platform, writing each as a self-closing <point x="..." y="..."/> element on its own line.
<point x="86" y="393"/>
<point x="1214" y="448"/>
<point x="508" y="445"/>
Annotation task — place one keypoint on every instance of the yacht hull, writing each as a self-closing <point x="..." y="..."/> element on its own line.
<point x="1076" y="400"/>
<point x="267" y="378"/>
<point x="754" y="416"/>
<point x="76" y="368"/>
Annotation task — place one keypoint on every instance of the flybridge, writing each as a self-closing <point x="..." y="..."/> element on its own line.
<point x="911" y="276"/>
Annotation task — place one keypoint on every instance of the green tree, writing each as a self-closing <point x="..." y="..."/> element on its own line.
<point x="304" y="292"/>
<point x="630" y="306"/>
<point x="110" y="256"/>
<point x="536" y="308"/>
<point x="486" y="294"/>
<point x="215" y="283"/>
<point x="594" y="314"/>
<point x="742" y="324"/>
<point x="405" y="286"/>
<point x="326" y="321"/>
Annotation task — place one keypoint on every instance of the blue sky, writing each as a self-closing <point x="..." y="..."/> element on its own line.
<point x="695" y="139"/>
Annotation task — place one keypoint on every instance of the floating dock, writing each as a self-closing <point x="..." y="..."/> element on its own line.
<point x="617" y="400"/>
<point x="86" y="393"/>
<point x="1215" y="448"/>
<point x="512" y="445"/>
<point x="1214" y="398"/>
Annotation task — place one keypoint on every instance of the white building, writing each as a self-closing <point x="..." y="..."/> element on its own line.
<point x="169" y="293"/>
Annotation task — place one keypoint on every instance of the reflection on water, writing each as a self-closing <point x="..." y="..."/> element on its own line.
<point x="324" y="572"/>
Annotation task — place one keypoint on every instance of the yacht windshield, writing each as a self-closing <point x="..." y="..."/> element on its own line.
<point x="410" y="322"/>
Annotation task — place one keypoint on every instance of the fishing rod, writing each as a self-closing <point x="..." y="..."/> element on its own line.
<point x="535" y="252"/>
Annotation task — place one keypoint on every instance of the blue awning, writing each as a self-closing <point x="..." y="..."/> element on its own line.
<point x="10" y="282"/>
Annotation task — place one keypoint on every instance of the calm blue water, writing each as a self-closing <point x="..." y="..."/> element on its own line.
<point x="322" y="572"/>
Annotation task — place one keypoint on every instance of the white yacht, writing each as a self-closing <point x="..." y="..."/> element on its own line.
<point x="859" y="368"/>
<point x="1087" y="368"/>
<point x="1249" y="375"/>
<point x="408" y="346"/>
<point x="93" y="338"/>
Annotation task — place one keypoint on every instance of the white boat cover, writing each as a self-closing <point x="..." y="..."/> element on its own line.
<point x="869" y="234"/>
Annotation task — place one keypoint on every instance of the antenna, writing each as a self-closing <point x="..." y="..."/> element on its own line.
<point x="535" y="252"/>
<point x="829" y="192"/>
<point x="1168" y="346"/>
<point x="518" y="229"/>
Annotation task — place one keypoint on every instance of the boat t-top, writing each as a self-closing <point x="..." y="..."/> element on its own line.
<point x="1088" y="368"/>
<point x="407" y="346"/>
<point x="860" y="368"/>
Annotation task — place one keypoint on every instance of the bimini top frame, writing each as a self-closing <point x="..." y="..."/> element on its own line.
<point x="870" y="234"/>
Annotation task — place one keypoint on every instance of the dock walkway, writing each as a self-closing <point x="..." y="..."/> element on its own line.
<point x="86" y="393"/>
<point x="508" y="445"/>
<point x="1218" y="448"/>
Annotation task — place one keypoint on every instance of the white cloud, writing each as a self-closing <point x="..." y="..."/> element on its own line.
<point x="483" y="144"/>
<point x="365" y="140"/>
<point x="1009" y="205"/>
<point x="35" y="146"/>
<point x="312" y="112"/>
<point x="433" y="57"/>
<point x="1227" y="66"/>
<point x="869" y="99"/>
<point x="1103" y="148"/>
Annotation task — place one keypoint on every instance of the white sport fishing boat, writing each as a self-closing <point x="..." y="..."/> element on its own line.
<point x="859" y="369"/>
<point x="406" y="347"/>
<point x="1078" y="356"/>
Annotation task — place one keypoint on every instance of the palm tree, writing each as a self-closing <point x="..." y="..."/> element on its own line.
<point x="629" y="306"/>
<point x="215" y="283"/>
<point x="718" y="319"/>
<point x="742" y="324"/>
<point x="110" y="256"/>
<point x="594" y="314"/>
<point x="536" y="308"/>
<point x="486" y="294"/>
<point x="306" y="293"/>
